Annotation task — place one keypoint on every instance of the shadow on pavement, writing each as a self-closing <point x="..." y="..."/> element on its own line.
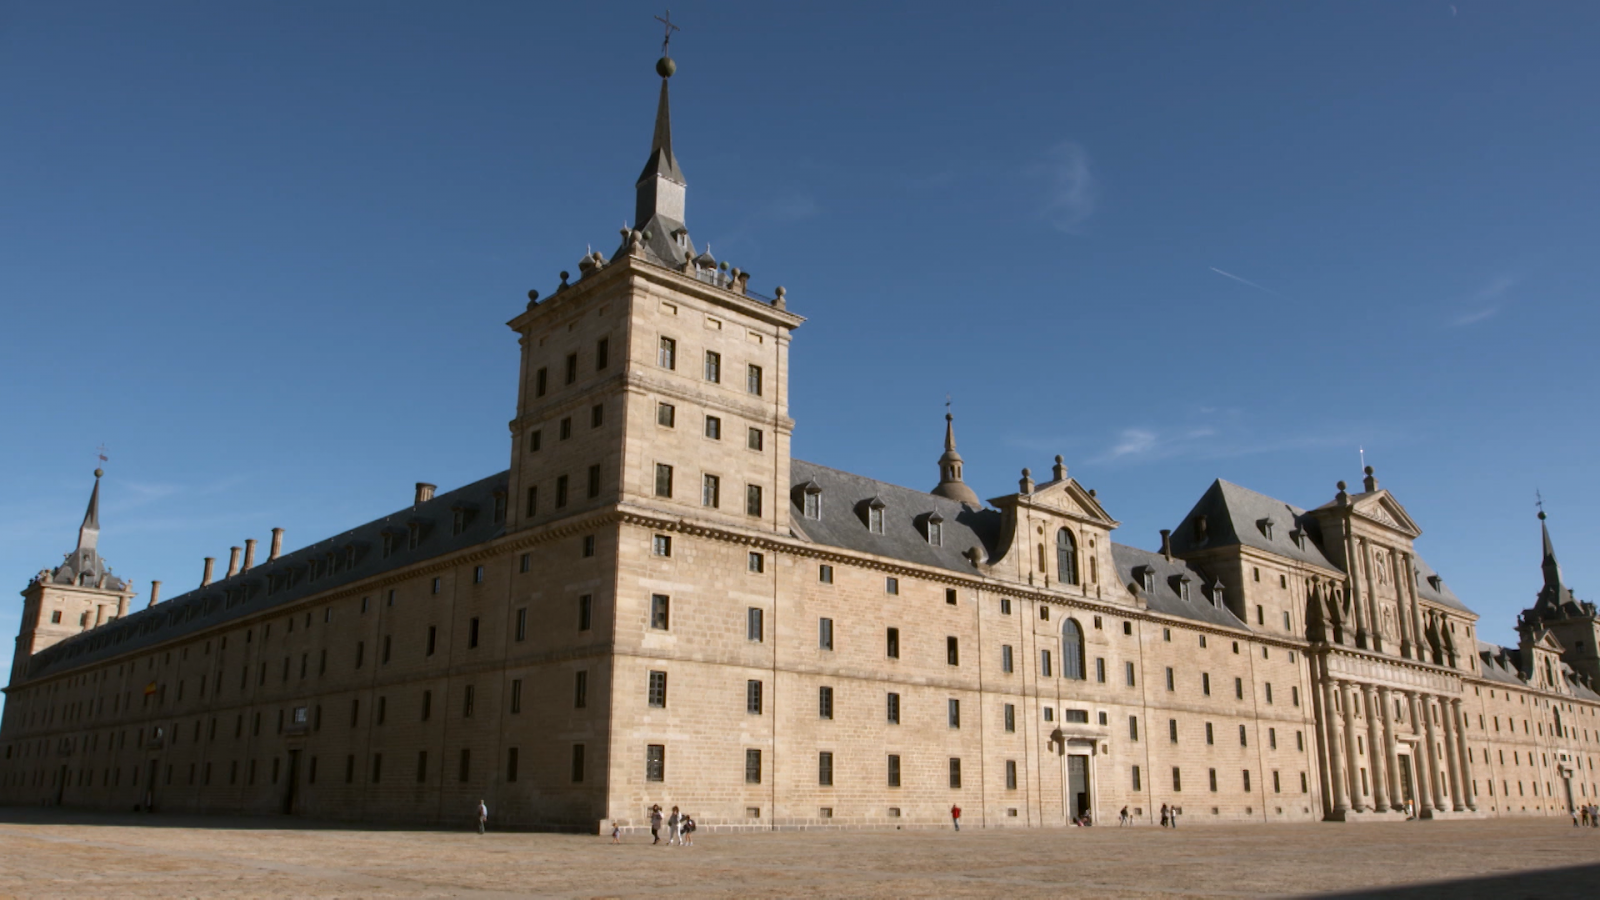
<point x="1527" y="884"/>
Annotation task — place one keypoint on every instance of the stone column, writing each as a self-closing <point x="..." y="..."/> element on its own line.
<point x="1330" y="730"/>
<point x="1419" y="643"/>
<point x="1376" y="752"/>
<point x="1391" y="756"/>
<point x="1435" y="776"/>
<point x="1358" y="600"/>
<point x="1374" y="623"/>
<point x="1468" y="794"/>
<point x="1402" y="606"/>
<point x="1452" y="754"/>
<point x="1420" y="757"/>
<point x="1352" y="759"/>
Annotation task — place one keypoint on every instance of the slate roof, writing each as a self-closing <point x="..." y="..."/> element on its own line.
<point x="1499" y="664"/>
<point x="205" y="607"/>
<point x="843" y="523"/>
<point x="1233" y="515"/>
<point x="1166" y="597"/>
<point x="1441" y="595"/>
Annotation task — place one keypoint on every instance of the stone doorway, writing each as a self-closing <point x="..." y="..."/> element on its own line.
<point x="1408" y="792"/>
<point x="1078" y="796"/>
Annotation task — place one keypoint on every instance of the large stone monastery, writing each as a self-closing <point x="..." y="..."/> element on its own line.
<point x="655" y="603"/>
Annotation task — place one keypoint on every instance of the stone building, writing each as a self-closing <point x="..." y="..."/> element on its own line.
<point x="655" y="603"/>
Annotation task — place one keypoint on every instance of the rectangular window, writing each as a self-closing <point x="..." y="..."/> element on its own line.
<point x="1005" y="659"/>
<point x="1172" y="730"/>
<point x="754" y="624"/>
<point x="564" y="429"/>
<point x="472" y="633"/>
<point x="580" y="689"/>
<point x="713" y="428"/>
<point x="1294" y="696"/>
<point x="533" y="499"/>
<point x="893" y="708"/>
<point x="1129" y="673"/>
<point x="825" y="633"/>
<point x="1011" y="774"/>
<point x="753" y="439"/>
<point x="1011" y="717"/>
<point x="516" y="695"/>
<point x="955" y="772"/>
<point x="377" y="767"/>
<point x="422" y="766"/>
<point x="1100" y="669"/>
<point x="1171" y="682"/>
<point x="752" y="697"/>
<point x="752" y="766"/>
<point x="825" y="769"/>
<point x="1210" y="736"/>
<point x="427" y="704"/>
<point x="894" y="770"/>
<point x="667" y="354"/>
<point x="825" y="702"/>
<point x="752" y="500"/>
<point x="522" y="624"/>
<point x="1136" y="780"/>
<point x="663" y="480"/>
<point x="661" y="545"/>
<point x="1177" y="779"/>
<point x="594" y="481"/>
<point x="383" y="710"/>
<point x="1247" y="781"/>
<point x="655" y="762"/>
<point x="1044" y="663"/>
<point x="952" y="651"/>
<point x="601" y="354"/>
<point x="597" y="415"/>
<point x="1211" y="775"/>
<point x="953" y="712"/>
<point x="541" y="381"/>
<point x="1205" y="683"/>
<point x="892" y="643"/>
<point x="1238" y="688"/>
<point x="588" y="546"/>
<point x="658" y="689"/>
<point x="666" y="415"/>
<point x="1268" y="686"/>
<point x="1005" y="606"/>
<point x="753" y="380"/>
<point x="659" y="607"/>
<point x="891" y="585"/>
<point x="561" y="491"/>
<point x="713" y="367"/>
<point x="756" y="563"/>
<point x="825" y="574"/>
<point x="572" y="367"/>
<point x="711" y="491"/>
<point x="467" y="696"/>
<point x="534" y="439"/>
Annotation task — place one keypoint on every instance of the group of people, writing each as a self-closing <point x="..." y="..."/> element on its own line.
<point x="680" y="828"/>
<point x="1587" y="816"/>
<point x="1169" y="815"/>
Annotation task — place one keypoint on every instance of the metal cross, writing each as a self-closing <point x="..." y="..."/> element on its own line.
<point x="669" y="29"/>
<point x="1538" y="499"/>
<point x="101" y="453"/>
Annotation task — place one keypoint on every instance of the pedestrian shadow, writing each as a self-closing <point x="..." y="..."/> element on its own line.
<point x="1525" y="884"/>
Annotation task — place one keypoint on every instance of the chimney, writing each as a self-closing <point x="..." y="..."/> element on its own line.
<point x="277" y="545"/>
<point x="233" y="561"/>
<point x="155" y="594"/>
<point x="205" y="579"/>
<point x="249" y="554"/>
<point x="1166" y="543"/>
<point x="425" y="492"/>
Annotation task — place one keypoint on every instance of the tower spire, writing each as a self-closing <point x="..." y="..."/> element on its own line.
<point x="1554" y="594"/>
<point x="89" y="531"/>
<point x="660" y="192"/>
<point x="950" y="484"/>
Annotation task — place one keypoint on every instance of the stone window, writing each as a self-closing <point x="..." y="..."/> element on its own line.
<point x="824" y="702"/>
<point x="564" y="428"/>
<point x="533" y="508"/>
<point x="1044" y="663"/>
<point x="1075" y="716"/>
<point x="601" y="354"/>
<point x="1210" y="736"/>
<point x="1072" y="650"/>
<point x="825" y="573"/>
<point x="667" y="354"/>
<point x="541" y="381"/>
<point x="1005" y="606"/>
<point x="1011" y="774"/>
<point x="825" y="771"/>
<point x="1177" y="779"/>
<point x="580" y="689"/>
<point x="1100" y="669"/>
<point x="1136" y="780"/>
<point x="1128" y="671"/>
<point x="757" y="563"/>
<point x="585" y="611"/>
<point x="891" y="585"/>
<point x="752" y="766"/>
<point x="825" y="633"/>
<point x="516" y="695"/>
<point x="754" y="439"/>
<point x="713" y="367"/>
<point x="666" y="415"/>
<point x="812" y="504"/>
<point x="1171" y="680"/>
<point x="955" y="772"/>
<point x="468" y="694"/>
<point x="1066" y="557"/>
<point x="1133" y="728"/>
<point x="954" y="712"/>
<point x="1172" y="730"/>
<point x="875" y="519"/>
<point x="660" y="606"/>
<point x="658" y="689"/>
<point x="472" y="635"/>
<point x="950" y="596"/>
<point x="711" y="491"/>
<point x="661" y="545"/>
<point x="1212" y="777"/>
<point x="427" y="700"/>
<point x="892" y="648"/>
<point x="952" y="651"/>
<point x="713" y="428"/>
<point x="752" y="380"/>
<point x="663" y="480"/>
<point x="561" y="491"/>
<point x="1005" y="658"/>
<point x="572" y="367"/>
<point x="752" y="697"/>
<point x="588" y="545"/>
<point x="477" y="574"/>
<point x="577" y="764"/>
<point x="1238" y="688"/>
<point x="597" y="415"/>
<point x="1011" y="717"/>
<point x="655" y="762"/>
<point x="893" y="708"/>
<point x="894" y="770"/>
<point x="1205" y="683"/>
<point x="755" y="626"/>
<point x="752" y="500"/>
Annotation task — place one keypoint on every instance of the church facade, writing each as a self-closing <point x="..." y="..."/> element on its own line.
<point x="656" y="604"/>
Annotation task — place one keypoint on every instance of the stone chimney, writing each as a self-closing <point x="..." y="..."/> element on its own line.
<point x="425" y="492"/>
<point x="276" y="549"/>
<point x="1166" y="543"/>
<point x="205" y="578"/>
<point x="155" y="594"/>
<point x="249" y="554"/>
<point x="233" y="561"/>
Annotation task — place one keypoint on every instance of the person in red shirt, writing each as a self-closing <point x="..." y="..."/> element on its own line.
<point x="955" y="816"/>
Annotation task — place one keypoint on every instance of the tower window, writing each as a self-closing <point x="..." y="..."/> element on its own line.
<point x="667" y="355"/>
<point x="666" y="415"/>
<point x="753" y="380"/>
<point x="714" y="428"/>
<point x="713" y="367"/>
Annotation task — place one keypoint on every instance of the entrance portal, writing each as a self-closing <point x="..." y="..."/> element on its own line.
<point x="1077" y="786"/>
<point x="289" y="794"/>
<point x="1406" y="794"/>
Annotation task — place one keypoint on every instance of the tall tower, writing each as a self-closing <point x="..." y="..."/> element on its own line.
<point x="73" y="597"/>
<point x="1574" y="623"/>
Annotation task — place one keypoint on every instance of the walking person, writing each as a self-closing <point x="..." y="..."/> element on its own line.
<point x="616" y="833"/>
<point x="674" y="822"/>
<point x="655" y="824"/>
<point x="688" y="830"/>
<point x="1165" y="815"/>
<point x="955" y="816"/>
<point x="483" y="816"/>
<point x="1124" y="819"/>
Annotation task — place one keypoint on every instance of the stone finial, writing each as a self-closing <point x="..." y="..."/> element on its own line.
<point x="533" y="299"/>
<point x="563" y="286"/>
<point x="1369" y="483"/>
<point x="777" y="298"/>
<point x="1343" y="497"/>
<point x="1059" y="470"/>
<point x="1026" y="482"/>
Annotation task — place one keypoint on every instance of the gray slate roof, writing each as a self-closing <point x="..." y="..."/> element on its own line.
<point x="1499" y="663"/>
<point x="1166" y="597"/>
<point x="205" y="607"/>
<point x="1233" y="515"/>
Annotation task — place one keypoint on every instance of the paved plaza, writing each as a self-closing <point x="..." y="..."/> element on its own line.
<point x="54" y="853"/>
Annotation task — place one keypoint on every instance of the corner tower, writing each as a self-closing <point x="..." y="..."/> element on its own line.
<point x="75" y="596"/>
<point x="1574" y="623"/>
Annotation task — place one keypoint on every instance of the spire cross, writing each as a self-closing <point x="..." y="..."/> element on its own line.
<point x="668" y="30"/>
<point x="1538" y="499"/>
<point x="100" y="453"/>
<point x="947" y="404"/>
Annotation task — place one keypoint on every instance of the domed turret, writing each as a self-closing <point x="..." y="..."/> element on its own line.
<point x="950" y="483"/>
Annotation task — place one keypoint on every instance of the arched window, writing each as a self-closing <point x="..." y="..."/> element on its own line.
<point x="1066" y="557"/>
<point x="1071" y="650"/>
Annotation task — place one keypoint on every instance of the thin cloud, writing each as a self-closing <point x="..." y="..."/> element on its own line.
<point x="1246" y="281"/>
<point x="1140" y="444"/>
<point x="1488" y="301"/>
<point x="1069" y="187"/>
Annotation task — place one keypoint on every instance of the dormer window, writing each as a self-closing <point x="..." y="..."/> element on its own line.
<point x="349" y="556"/>
<point x="1266" y="527"/>
<point x="414" y="535"/>
<point x="1183" y="587"/>
<point x="1298" y="535"/>
<point x="460" y="523"/>
<point x="1435" y="582"/>
<point x="1147" y="578"/>
<point x="875" y="518"/>
<point x="1216" y="593"/>
<point x="388" y="544"/>
<point x="499" y="506"/>
<point x="933" y="529"/>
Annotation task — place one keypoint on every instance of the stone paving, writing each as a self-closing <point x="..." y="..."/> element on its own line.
<point x="61" y="853"/>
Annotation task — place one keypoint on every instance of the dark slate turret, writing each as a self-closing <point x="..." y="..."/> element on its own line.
<point x="661" y="190"/>
<point x="950" y="483"/>
<point x="1555" y="598"/>
<point x="83" y="566"/>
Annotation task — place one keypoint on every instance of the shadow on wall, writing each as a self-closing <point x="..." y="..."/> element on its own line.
<point x="1526" y="884"/>
<point x="56" y="815"/>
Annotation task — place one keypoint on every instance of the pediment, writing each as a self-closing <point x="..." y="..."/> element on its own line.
<point x="1381" y="507"/>
<point x="1069" y="498"/>
<point x="1547" y="641"/>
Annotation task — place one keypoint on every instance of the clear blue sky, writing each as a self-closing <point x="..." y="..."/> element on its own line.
<point x="265" y="251"/>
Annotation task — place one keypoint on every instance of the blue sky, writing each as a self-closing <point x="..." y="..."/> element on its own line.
<point x="265" y="252"/>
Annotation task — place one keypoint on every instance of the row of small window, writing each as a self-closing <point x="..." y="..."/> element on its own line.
<point x="710" y="490"/>
<point x="1211" y="777"/>
<point x="602" y="358"/>
<point x="562" y="491"/>
<point x="667" y="358"/>
<point x="597" y="418"/>
<point x="667" y="417"/>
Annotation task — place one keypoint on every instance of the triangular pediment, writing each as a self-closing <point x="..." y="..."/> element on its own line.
<point x="1069" y="498"/>
<point x="1547" y="641"/>
<point x="1381" y="507"/>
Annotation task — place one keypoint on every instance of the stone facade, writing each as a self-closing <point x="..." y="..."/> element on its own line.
<point x="656" y="603"/>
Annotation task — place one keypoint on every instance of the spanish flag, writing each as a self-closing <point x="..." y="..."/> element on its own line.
<point x="150" y="689"/>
